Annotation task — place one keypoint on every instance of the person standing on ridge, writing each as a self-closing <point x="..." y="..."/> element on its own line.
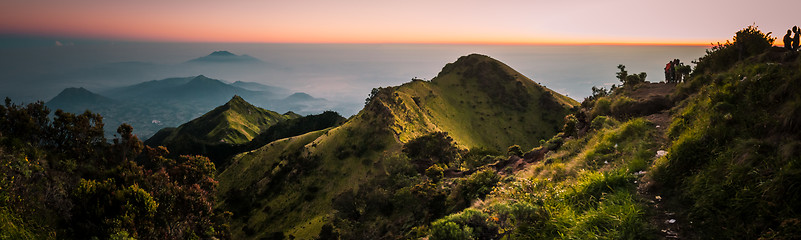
<point x="788" y="41"/>
<point x="673" y="77"/>
<point x="796" y="37"/>
<point x="667" y="71"/>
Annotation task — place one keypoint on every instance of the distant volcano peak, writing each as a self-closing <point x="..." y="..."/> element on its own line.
<point x="222" y="53"/>
<point x="223" y="56"/>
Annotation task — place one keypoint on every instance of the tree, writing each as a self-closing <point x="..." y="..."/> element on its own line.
<point x="629" y="80"/>
<point x="433" y="148"/>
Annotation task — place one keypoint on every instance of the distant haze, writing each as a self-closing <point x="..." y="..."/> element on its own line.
<point x="338" y="72"/>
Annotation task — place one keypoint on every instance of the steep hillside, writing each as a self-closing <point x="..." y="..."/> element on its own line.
<point x="287" y="187"/>
<point x="236" y="122"/>
<point x="480" y="102"/>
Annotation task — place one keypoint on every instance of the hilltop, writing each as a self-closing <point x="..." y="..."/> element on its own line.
<point x="235" y="122"/>
<point x="225" y="57"/>
<point x="77" y="99"/>
<point x="287" y="186"/>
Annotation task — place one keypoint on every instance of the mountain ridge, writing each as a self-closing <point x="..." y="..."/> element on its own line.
<point x="274" y="179"/>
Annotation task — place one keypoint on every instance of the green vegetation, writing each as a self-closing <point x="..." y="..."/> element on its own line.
<point x="389" y="170"/>
<point x="734" y="160"/>
<point x="236" y="122"/>
<point x="61" y="179"/>
<point x="217" y="132"/>
<point x="584" y="190"/>
<point x="730" y="169"/>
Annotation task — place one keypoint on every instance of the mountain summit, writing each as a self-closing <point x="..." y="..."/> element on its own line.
<point x="78" y="100"/>
<point x="225" y="57"/>
<point x="235" y="122"/>
<point x="476" y="103"/>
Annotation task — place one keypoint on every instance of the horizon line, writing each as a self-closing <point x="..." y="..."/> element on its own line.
<point x="497" y="43"/>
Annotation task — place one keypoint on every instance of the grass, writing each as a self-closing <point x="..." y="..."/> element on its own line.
<point x="456" y="103"/>
<point x="11" y="227"/>
<point x="568" y="195"/>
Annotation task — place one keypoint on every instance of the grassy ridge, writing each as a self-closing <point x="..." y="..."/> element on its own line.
<point x="319" y="166"/>
<point x="480" y="102"/>
<point x="235" y="123"/>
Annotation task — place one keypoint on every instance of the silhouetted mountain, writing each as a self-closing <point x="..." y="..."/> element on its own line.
<point x="225" y="57"/>
<point x="300" y="97"/>
<point x="277" y="91"/>
<point x="145" y="88"/>
<point x="78" y="100"/>
<point x="156" y="104"/>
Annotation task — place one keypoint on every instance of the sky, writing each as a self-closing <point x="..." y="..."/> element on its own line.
<point x="411" y="21"/>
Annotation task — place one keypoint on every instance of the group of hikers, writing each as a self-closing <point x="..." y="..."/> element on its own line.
<point x="672" y="72"/>
<point x="791" y="43"/>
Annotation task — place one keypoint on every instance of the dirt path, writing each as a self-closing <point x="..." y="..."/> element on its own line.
<point x="663" y="212"/>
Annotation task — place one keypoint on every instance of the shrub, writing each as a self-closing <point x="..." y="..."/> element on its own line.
<point x="598" y="123"/>
<point x="434" y="172"/>
<point x="571" y="125"/>
<point x="622" y="107"/>
<point x="514" y="150"/>
<point x="433" y="148"/>
<point x="602" y="107"/>
<point x="747" y="42"/>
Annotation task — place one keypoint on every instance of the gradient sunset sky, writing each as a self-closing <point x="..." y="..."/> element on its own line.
<point x="411" y="21"/>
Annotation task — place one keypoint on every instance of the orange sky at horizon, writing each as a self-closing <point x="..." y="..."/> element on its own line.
<point x="627" y="22"/>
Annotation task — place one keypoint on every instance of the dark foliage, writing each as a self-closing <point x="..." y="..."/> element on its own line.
<point x="434" y="148"/>
<point x="62" y="178"/>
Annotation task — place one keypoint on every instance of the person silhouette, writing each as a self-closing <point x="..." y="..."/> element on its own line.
<point x="788" y="40"/>
<point x="667" y="71"/>
<point x="796" y="37"/>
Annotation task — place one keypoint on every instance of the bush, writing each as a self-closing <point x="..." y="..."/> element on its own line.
<point x="447" y="230"/>
<point x="571" y="125"/>
<point x="602" y="107"/>
<point x="598" y="123"/>
<point x="747" y="42"/>
<point x="434" y="172"/>
<point x="514" y="150"/>
<point x="433" y="148"/>
<point x="622" y="107"/>
<point x="475" y="186"/>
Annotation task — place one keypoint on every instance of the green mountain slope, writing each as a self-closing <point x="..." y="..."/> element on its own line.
<point x="287" y="187"/>
<point x="478" y="101"/>
<point x="236" y="122"/>
<point x="715" y="157"/>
